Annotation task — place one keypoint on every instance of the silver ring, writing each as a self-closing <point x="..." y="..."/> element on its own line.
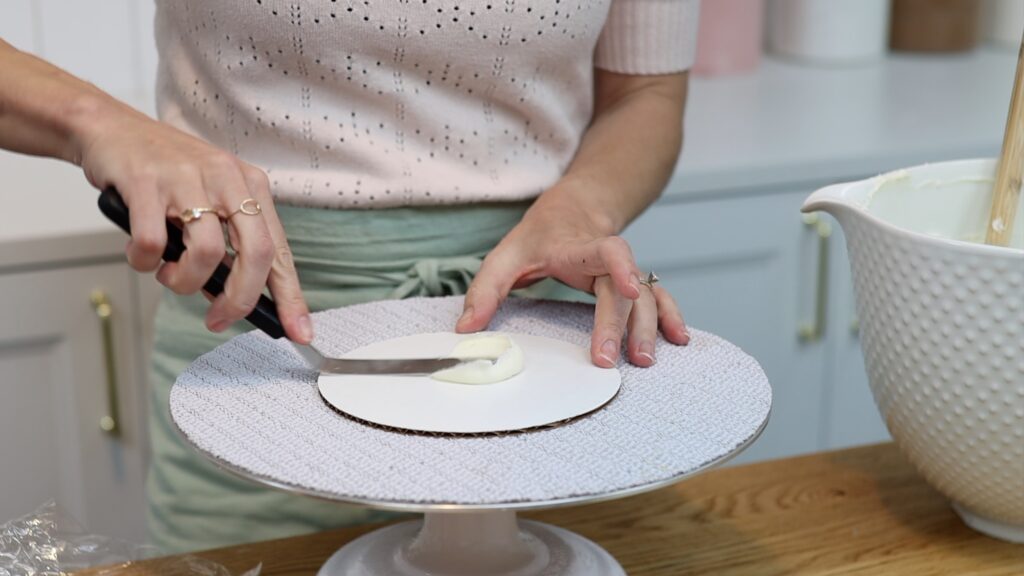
<point x="651" y="280"/>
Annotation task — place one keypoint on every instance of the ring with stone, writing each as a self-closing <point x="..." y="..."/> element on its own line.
<point x="651" y="280"/>
<point x="192" y="214"/>
<point x="249" y="207"/>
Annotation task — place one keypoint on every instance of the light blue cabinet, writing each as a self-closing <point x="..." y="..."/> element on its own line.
<point x="747" y="268"/>
<point x="734" y="264"/>
<point x="852" y="416"/>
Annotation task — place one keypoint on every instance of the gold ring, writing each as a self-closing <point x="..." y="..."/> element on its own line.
<point x="651" y="280"/>
<point x="192" y="214"/>
<point x="249" y="207"/>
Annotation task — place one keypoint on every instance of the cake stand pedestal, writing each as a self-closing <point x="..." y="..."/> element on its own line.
<point x="472" y="544"/>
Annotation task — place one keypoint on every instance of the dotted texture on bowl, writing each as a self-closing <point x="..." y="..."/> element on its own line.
<point x="254" y="406"/>
<point x="943" y="339"/>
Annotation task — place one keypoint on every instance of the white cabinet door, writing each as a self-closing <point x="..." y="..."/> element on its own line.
<point x="54" y="392"/>
<point x="853" y="417"/>
<point x="744" y="268"/>
<point x="16" y="24"/>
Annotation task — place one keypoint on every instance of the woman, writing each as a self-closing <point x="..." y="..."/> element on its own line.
<point x="373" y="150"/>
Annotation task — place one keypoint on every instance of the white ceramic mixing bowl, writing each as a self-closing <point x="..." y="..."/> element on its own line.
<point x="942" y="324"/>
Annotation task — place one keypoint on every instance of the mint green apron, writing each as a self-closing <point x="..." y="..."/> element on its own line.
<point x="343" y="258"/>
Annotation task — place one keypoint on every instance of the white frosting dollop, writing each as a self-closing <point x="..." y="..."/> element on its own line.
<point x="486" y="345"/>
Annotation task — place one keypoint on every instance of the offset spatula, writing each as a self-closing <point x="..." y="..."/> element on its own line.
<point x="264" y="315"/>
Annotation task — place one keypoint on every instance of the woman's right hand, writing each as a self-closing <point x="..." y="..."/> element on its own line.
<point x="160" y="172"/>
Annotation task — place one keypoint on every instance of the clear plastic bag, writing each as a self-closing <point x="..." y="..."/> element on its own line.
<point x="49" y="542"/>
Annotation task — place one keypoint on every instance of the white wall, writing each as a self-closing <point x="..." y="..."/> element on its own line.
<point x="107" y="42"/>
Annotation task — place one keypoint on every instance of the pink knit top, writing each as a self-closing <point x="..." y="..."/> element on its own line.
<point x="380" y="103"/>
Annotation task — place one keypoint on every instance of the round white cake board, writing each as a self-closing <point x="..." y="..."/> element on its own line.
<point x="558" y="382"/>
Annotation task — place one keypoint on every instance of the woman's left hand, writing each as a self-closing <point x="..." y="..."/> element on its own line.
<point x="565" y="243"/>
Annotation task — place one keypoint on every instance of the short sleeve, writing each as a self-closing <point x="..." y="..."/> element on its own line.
<point x="649" y="37"/>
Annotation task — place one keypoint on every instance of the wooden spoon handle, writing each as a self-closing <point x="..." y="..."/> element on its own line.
<point x="1006" y="193"/>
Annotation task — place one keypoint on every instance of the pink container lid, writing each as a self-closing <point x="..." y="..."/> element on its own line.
<point x="730" y="37"/>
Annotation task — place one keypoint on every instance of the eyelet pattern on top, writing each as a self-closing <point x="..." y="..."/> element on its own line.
<point x="356" y="104"/>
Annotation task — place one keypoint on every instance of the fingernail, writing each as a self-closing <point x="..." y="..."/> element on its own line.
<point x="219" y="325"/>
<point x="686" y="337"/>
<point x="306" y="328"/>
<point x="467" y="315"/>
<point x="646" y="349"/>
<point x="634" y="281"/>
<point x="609" y="351"/>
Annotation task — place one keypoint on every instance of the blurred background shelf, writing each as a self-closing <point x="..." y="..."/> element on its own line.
<point x="787" y="122"/>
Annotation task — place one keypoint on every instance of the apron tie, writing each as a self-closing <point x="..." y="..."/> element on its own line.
<point x="438" y="277"/>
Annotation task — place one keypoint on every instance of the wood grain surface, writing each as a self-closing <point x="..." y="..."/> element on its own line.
<point x="859" y="511"/>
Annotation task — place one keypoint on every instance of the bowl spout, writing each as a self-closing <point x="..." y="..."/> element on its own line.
<point x="840" y="201"/>
<point x="837" y="200"/>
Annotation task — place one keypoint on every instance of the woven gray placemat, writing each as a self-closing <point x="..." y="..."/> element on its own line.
<point x="253" y="406"/>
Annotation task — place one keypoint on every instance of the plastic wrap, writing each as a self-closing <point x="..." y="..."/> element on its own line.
<point x="49" y="542"/>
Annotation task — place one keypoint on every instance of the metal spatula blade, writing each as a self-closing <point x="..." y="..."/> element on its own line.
<point x="264" y="315"/>
<point x="407" y="366"/>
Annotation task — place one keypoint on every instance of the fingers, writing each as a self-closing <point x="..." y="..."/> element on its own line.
<point x="220" y="185"/>
<point x="639" y="318"/>
<point x="186" y="172"/>
<point x="254" y="252"/>
<point x="204" y="242"/>
<point x="283" y="279"/>
<point x="489" y="289"/>
<point x="643" y="329"/>
<point x="610" y="256"/>
<point x="611" y="317"/>
<point x="149" y="229"/>
<point x="618" y="258"/>
<point x="670" y="318"/>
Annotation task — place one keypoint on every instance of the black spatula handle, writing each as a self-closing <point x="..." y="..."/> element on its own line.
<point x="264" y="315"/>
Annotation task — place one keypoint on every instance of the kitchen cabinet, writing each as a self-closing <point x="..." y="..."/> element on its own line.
<point x="75" y="322"/>
<point x="70" y="427"/>
<point x="751" y="269"/>
<point x="853" y="416"/>
<point x="736" y="266"/>
<point x="16" y="24"/>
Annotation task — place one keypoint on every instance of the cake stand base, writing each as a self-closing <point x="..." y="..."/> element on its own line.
<point x="489" y="543"/>
<point x="994" y="528"/>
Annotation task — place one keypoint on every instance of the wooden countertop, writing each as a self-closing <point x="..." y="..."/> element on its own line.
<point x="857" y="511"/>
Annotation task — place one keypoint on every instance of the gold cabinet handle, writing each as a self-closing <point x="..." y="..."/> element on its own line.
<point x="104" y="311"/>
<point x="814" y="330"/>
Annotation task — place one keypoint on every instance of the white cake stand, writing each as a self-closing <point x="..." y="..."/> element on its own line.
<point x="253" y="408"/>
